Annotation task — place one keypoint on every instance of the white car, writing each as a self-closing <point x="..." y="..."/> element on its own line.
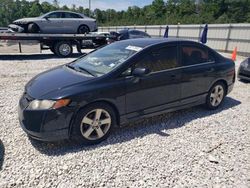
<point x="56" y="22"/>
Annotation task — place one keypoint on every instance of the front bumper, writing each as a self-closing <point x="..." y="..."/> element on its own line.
<point x="45" y="125"/>
<point x="16" y="28"/>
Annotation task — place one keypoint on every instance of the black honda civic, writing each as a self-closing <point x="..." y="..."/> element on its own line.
<point x="122" y="82"/>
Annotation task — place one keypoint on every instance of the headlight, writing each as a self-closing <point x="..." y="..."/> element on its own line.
<point x="48" y="104"/>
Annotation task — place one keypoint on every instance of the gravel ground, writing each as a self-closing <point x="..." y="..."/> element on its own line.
<point x="191" y="148"/>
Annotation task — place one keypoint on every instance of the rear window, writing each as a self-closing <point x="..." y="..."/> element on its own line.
<point x="192" y="55"/>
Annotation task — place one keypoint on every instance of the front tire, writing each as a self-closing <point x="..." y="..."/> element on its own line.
<point x="33" y="28"/>
<point x="216" y="96"/>
<point x="93" y="124"/>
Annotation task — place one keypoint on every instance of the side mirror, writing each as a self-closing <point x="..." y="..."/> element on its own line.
<point x="46" y="18"/>
<point x="140" y="72"/>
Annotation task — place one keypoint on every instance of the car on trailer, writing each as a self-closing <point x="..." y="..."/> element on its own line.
<point x="56" y="22"/>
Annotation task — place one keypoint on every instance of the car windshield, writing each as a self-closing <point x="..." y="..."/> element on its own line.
<point x="106" y="59"/>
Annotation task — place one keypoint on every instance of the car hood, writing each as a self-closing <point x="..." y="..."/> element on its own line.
<point x="53" y="81"/>
<point x="25" y="20"/>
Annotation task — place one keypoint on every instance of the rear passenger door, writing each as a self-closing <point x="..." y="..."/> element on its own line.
<point x="71" y="22"/>
<point x="198" y="69"/>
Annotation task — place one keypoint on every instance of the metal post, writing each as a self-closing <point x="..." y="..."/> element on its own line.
<point x="177" y="33"/>
<point x="89" y="8"/>
<point x="200" y="28"/>
<point x="160" y="31"/>
<point x="228" y="37"/>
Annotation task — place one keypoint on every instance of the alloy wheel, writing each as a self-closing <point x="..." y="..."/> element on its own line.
<point x="95" y="124"/>
<point x="217" y="95"/>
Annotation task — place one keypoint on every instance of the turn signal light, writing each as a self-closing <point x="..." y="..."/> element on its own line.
<point x="61" y="103"/>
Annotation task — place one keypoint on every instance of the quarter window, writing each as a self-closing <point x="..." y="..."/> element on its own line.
<point x="192" y="55"/>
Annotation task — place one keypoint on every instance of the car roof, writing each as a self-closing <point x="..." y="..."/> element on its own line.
<point x="65" y="11"/>
<point x="144" y="42"/>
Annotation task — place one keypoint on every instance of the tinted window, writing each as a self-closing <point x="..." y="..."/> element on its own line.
<point x="54" y="15"/>
<point x="161" y="59"/>
<point x="164" y="58"/>
<point x="145" y="62"/>
<point x="134" y="32"/>
<point x="71" y="15"/>
<point x="192" y="55"/>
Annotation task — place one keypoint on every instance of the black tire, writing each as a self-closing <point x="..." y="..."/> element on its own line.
<point x="77" y="127"/>
<point x="63" y="49"/>
<point x="83" y="29"/>
<point x="210" y="99"/>
<point x="33" y="28"/>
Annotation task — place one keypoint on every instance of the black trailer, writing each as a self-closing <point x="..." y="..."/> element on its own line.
<point x="60" y="44"/>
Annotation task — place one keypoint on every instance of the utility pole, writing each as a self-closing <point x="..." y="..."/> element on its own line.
<point x="89" y="8"/>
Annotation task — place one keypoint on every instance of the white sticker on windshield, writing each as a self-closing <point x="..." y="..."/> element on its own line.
<point x="112" y="65"/>
<point x="134" y="48"/>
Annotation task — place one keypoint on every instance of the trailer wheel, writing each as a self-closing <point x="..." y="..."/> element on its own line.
<point x="63" y="49"/>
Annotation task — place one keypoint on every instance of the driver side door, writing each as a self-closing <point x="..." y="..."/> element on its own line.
<point x="157" y="91"/>
<point x="53" y="23"/>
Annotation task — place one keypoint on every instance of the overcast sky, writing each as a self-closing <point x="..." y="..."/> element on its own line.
<point x="104" y="4"/>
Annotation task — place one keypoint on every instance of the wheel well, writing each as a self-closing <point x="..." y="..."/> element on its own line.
<point x="32" y="23"/>
<point x="224" y="82"/>
<point x="117" y="114"/>
<point x="83" y="25"/>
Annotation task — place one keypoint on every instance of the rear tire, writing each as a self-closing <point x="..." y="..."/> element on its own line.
<point x="63" y="49"/>
<point x="83" y="29"/>
<point x="93" y="124"/>
<point x="33" y="28"/>
<point x="216" y="96"/>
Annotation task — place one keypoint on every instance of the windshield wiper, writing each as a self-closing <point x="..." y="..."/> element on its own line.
<point x="89" y="72"/>
<point x="80" y="69"/>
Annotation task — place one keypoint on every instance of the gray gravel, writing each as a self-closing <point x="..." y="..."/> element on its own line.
<point x="192" y="148"/>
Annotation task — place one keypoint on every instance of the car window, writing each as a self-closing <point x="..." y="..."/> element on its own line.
<point x="145" y="35"/>
<point x="134" y="32"/>
<point x="192" y="55"/>
<point x="164" y="58"/>
<point x="106" y="59"/>
<point x="160" y="59"/>
<point x="54" y="15"/>
<point x="71" y="15"/>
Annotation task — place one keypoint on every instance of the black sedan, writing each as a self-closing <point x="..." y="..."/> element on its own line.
<point x="120" y="83"/>
<point x="244" y="70"/>
<point x="126" y="34"/>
